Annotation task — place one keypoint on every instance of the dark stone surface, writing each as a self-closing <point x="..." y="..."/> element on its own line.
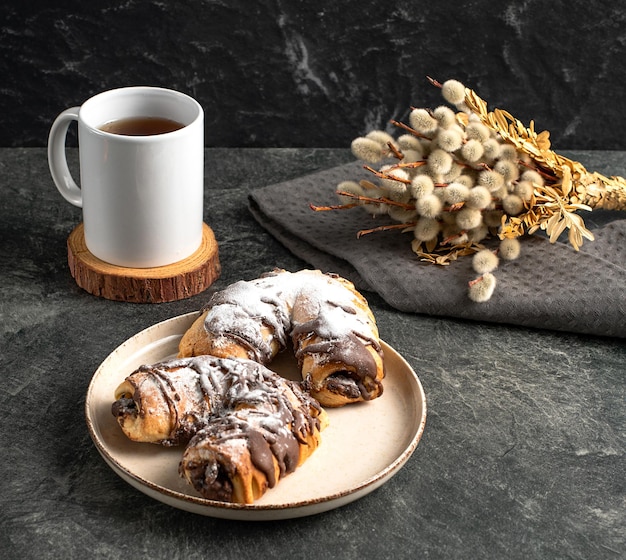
<point x="523" y="454"/>
<point x="272" y="73"/>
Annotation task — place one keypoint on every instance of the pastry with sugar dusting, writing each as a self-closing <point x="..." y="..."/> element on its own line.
<point x="243" y="427"/>
<point x="330" y="324"/>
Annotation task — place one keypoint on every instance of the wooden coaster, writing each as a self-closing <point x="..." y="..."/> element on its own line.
<point x="144" y="285"/>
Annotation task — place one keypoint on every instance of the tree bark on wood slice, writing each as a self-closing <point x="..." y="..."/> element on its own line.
<point x="177" y="281"/>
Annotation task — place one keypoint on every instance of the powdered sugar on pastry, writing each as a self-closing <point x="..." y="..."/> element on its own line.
<point x="333" y="331"/>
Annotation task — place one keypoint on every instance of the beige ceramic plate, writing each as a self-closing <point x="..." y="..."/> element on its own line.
<point x="364" y="446"/>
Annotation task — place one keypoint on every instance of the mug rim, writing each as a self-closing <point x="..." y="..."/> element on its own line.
<point x="130" y="90"/>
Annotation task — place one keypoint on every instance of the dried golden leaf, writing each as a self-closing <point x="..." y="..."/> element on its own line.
<point x="530" y="149"/>
<point x="557" y="229"/>
<point x="580" y="225"/>
<point x="500" y="119"/>
<point x="426" y="257"/>
<point x="552" y="221"/>
<point x="543" y="140"/>
<point x="566" y="181"/>
<point x="431" y="244"/>
<point x="416" y="246"/>
<point x="575" y="238"/>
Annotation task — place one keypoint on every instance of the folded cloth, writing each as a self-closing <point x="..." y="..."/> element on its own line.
<point x="549" y="286"/>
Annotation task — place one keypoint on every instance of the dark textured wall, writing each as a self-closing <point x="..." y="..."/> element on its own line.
<point x="299" y="73"/>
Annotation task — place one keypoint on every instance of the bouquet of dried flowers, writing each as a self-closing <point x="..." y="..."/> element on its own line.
<point x="455" y="179"/>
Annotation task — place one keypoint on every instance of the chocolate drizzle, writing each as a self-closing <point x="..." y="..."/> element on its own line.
<point x="273" y="447"/>
<point x="246" y="407"/>
<point x="320" y="315"/>
<point x="264" y="421"/>
<point x="184" y="394"/>
<point x="351" y="353"/>
<point x="236" y="313"/>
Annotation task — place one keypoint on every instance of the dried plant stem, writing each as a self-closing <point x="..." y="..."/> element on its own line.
<point x="434" y="82"/>
<point x="395" y="151"/>
<point x="333" y="207"/>
<point x="361" y="200"/>
<point x="451" y="238"/>
<point x="386" y="175"/>
<point x="385" y="228"/>
<point x="402" y="165"/>
<point x="408" y="129"/>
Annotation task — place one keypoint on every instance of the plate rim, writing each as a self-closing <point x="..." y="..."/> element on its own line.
<point x="205" y="506"/>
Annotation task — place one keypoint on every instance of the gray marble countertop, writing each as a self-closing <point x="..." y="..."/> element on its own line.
<point x="523" y="455"/>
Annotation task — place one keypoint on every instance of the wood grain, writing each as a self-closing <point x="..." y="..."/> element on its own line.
<point x="144" y="285"/>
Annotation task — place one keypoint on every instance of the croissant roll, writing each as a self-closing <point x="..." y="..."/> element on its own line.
<point x="165" y="403"/>
<point x="329" y="322"/>
<point x="245" y="320"/>
<point x="336" y="375"/>
<point x="238" y="457"/>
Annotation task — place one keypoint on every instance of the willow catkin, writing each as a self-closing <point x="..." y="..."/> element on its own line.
<point x="477" y="131"/>
<point x="524" y="189"/>
<point x="466" y="179"/>
<point x="469" y="218"/>
<point x="394" y="184"/>
<point x="532" y="176"/>
<point x="493" y="218"/>
<point x="478" y="197"/>
<point x="429" y="206"/>
<point x="509" y="248"/>
<point x="367" y="150"/>
<point x="508" y="168"/>
<point x="491" y="150"/>
<point x="421" y="185"/>
<point x="426" y="229"/>
<point x="455" y="193"/>
<point x="444" y="116"/>
<point x="352" y="189"/>
<point x="409" y="142"/>
<point x="453" y="174"/>
<point x="422" y="121"/>
<point x="490" y="179"/>
<point x="478" y="234"/>
<point x="472" y="150"/>
<point x="450" y="139"/>
<point x="402" y="215"/>
<point x="485" y="261"/>
<point x="508" y="153"/>
<point x="482" y="288"/>
<point x="440" y="161"/>
<point x="512" y="204"/>
<point x="381" y="137"/>
<point x="453" y="92"/>
<point x="411" y="156"/>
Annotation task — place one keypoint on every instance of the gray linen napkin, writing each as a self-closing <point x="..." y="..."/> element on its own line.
<point x="549" y="286"/>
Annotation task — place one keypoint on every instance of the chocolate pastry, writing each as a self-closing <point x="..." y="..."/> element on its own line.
<point x="333" y="331"/>
<point x="244" y="426"/>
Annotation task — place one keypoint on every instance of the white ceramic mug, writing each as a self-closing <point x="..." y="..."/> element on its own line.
<point x="141" y="195"/>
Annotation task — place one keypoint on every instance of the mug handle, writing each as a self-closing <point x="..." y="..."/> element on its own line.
<point x="57" y="160"/>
